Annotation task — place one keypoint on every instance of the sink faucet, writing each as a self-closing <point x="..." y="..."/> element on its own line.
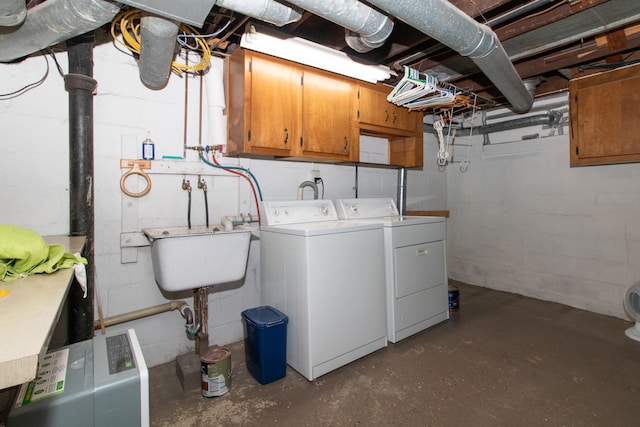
<point x="304" y="184"/>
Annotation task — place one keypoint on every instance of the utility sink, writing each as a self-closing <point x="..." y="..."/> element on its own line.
<point x="190" y="258"/>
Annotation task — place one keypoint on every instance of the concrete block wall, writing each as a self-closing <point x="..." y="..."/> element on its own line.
<point x="523" y="221"/>
<point x="34" y="171"/>
<point x="427" y="187"/>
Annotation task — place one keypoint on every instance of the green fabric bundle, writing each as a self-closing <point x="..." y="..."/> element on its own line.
<point x="24" y="252"/>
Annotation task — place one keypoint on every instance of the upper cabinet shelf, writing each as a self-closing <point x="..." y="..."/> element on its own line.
<point x="604" y="117"/>
<point x="279" y="109"/>
<point x="374" y="109"/>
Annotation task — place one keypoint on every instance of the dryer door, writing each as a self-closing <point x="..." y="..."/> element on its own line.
<point x="419" y="267"/>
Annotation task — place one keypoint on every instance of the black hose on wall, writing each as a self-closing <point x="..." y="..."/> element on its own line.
<point x="81" y="87"/>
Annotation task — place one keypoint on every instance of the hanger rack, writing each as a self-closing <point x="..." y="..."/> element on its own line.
<point x="419" y="91"/>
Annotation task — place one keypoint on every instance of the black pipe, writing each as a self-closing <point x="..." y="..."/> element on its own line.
<point x="206" y="207"/>
<point x="81" y="87"/>
<point x="189" y="210"/>
<point x="355" y="184"/>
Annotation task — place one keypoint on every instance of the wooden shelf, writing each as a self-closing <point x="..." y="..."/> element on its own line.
<point x="28" y="316"/>
<point x="428" y="213"/>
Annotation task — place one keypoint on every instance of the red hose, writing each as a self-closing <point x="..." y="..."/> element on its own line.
<point x="253" y="188"/>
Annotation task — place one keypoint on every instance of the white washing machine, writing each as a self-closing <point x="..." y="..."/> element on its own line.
<point x="415" y="264"/>
<point x="327" y="276"/>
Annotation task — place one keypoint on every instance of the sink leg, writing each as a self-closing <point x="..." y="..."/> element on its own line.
<point x="201" y="305"/>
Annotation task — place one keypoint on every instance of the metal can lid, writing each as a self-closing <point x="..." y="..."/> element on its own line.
<point x="214" y="355"/>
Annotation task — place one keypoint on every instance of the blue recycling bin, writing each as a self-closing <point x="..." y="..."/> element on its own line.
<point x="265" y="343"/>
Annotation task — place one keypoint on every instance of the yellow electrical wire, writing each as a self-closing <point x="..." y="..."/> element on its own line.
<point x="129" y="24"/>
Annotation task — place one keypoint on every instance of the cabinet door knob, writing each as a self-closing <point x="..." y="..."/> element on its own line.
<point x="395" y="117"/>
<point x="346" y="144"/>
<point x="386" y="115"/>
<point x="286" y="135"/>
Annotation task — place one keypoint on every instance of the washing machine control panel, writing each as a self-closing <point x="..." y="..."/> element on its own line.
<point x="298" y="211"/>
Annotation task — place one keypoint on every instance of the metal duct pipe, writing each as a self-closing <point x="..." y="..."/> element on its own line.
<point x="552" y="118"/>
<point x="446" y="23"/>
<point x="12" y="12"/>
<point x="55" y="21"/>
<point x="372" y="27"/>
<point x="157" y="49"/>
<point x="265" y="10"/>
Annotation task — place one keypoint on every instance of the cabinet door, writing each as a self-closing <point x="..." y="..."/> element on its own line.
<point x="376" y="110"/>
<point x="273" y="104"/>
<point x="326" y="116"/>
<point x="604" y="112"/>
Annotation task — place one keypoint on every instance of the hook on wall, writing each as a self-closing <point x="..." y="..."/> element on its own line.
<point x="137" y="168"/>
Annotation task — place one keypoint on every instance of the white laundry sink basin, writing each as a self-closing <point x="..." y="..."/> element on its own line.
<point x="190" y="258"/>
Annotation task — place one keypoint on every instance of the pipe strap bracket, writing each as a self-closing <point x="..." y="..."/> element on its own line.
<point x="79" y="81"/>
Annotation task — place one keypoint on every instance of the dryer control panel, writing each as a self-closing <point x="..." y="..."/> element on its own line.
<point x="366" y="208"/>
<point x="298" y="211"/>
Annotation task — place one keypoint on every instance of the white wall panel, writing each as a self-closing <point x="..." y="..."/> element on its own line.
<point x="523" y="221"/>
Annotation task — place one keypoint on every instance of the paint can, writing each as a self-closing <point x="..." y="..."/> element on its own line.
<point x="454" y="298"/>
<point x="215" y="369"/>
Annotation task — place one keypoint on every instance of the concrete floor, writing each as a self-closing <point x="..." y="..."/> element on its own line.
<point x="502" y="360"/>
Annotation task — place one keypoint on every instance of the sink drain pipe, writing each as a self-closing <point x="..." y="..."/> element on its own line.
<point x="81" y="86"/>
<point x="184" y="308"/>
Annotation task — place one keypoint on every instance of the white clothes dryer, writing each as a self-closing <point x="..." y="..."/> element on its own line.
<point x="415" y="264"/>
<point x="327" y="276"/>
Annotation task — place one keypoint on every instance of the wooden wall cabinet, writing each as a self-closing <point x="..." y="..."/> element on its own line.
<point x="604" y="112"/>
<point x="326" y="117"/>
<point x="281" y="109"/>
<point x="374" y="109"/>
<point x="378" y="117"/>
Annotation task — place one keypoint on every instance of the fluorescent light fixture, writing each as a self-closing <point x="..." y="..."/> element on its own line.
<point x="308" y="53"/>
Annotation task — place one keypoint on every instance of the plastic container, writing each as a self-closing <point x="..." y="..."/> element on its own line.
<point x="454" y="298"/>
<point x="265" y="343"/>
<point x="148" y="149"/>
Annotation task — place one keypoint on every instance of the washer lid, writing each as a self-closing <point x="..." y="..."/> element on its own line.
<point x="321" y="228"/>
